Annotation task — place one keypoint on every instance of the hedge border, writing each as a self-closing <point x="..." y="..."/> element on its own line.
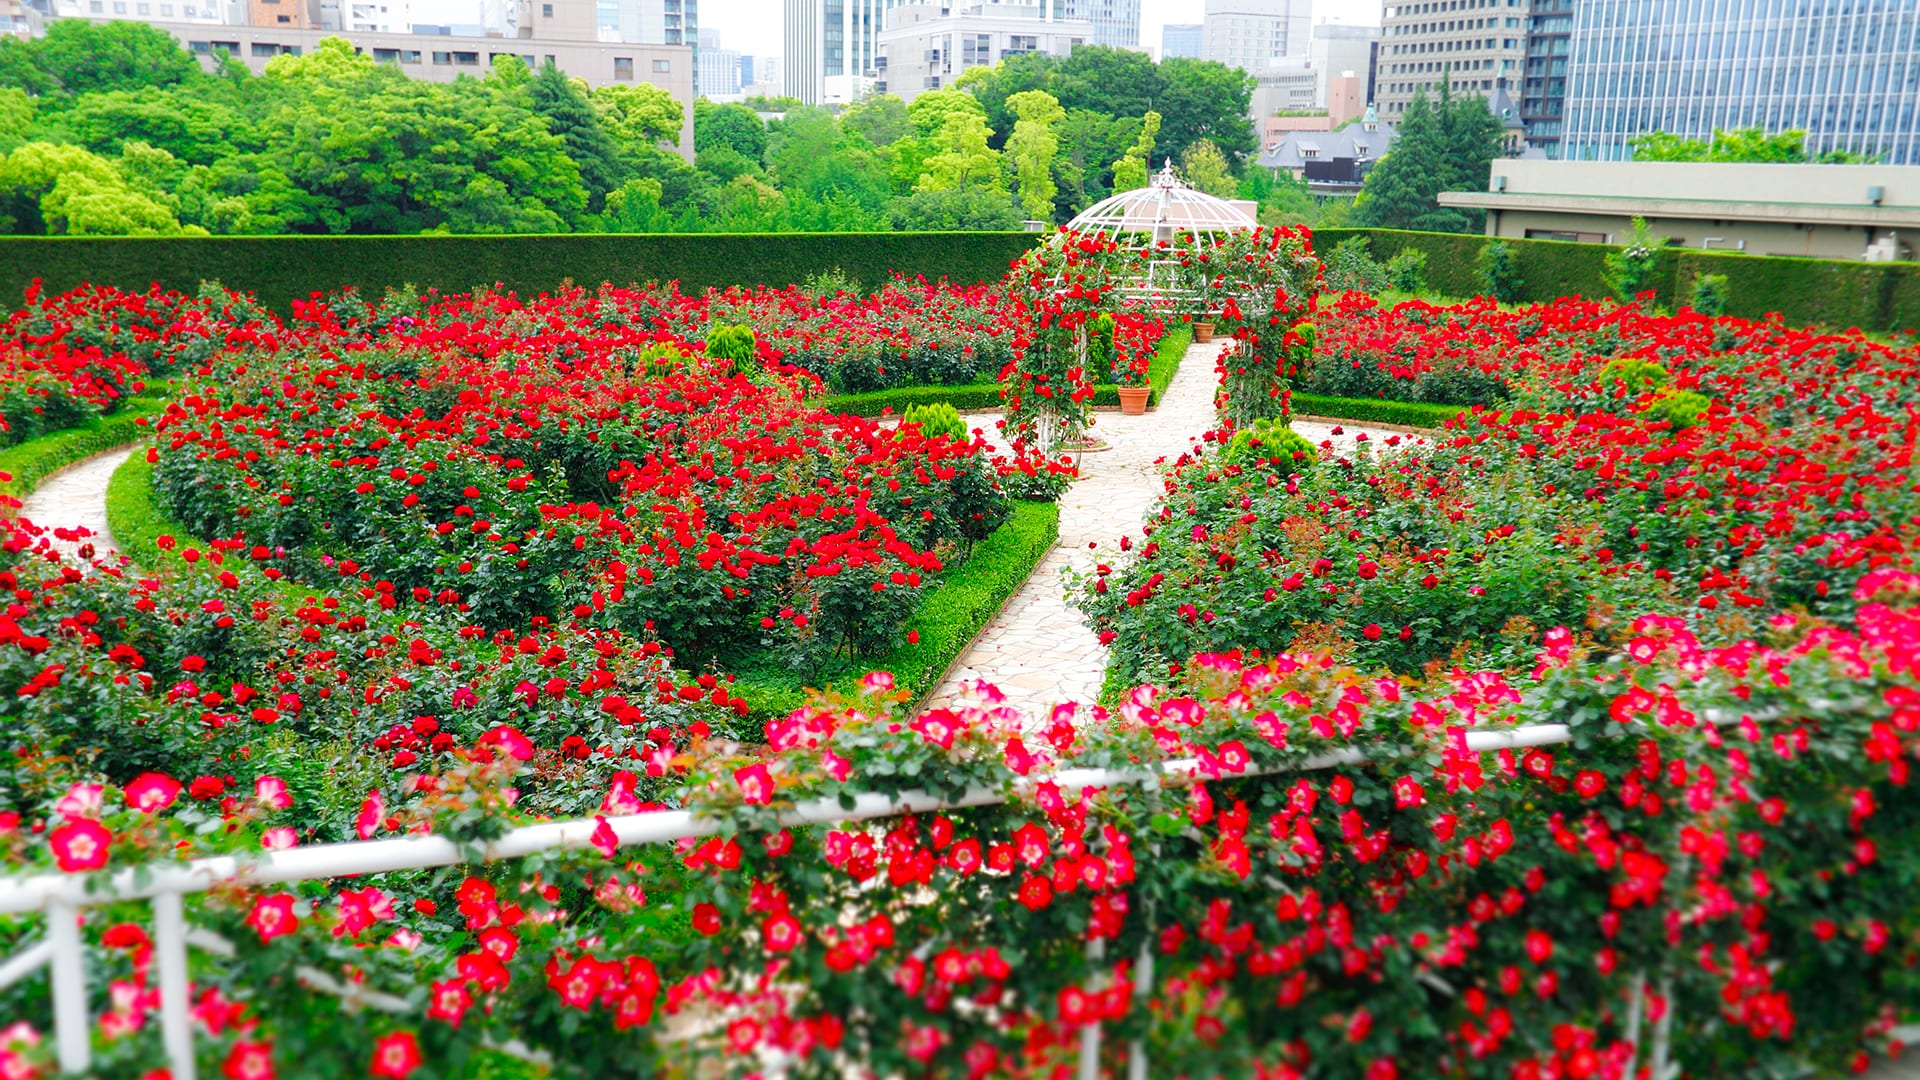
<point x="951" y="616"/>
<point x="281" y="269"/>
<point x="983" y="397"/>
<point x="1414" y="414"/>
<point x="948" y="619"/>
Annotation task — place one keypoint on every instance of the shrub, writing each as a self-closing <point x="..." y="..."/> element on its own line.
<point x="1638" y="375"/>
<point x="936" y="420"/>
<point x="1709" y="296"/>
<point x="734" y="343"/>
<point x="1407" y="270"/>
<point x="1631" y="269"/>
<point x="1270" y="439"/>
<point x="1679" y="408"/>
<point x="1500" y="272"/>
<point x="1350" y="268"/>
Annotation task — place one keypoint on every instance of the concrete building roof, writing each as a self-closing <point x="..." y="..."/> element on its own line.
<point x="1886" y="196"/>
<point x="1353" y="141"/>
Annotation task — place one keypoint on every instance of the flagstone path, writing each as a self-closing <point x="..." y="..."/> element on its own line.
<point x="73" y="503"/>
<point x="1039" y="651"/>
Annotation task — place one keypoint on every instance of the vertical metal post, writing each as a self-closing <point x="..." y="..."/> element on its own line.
<point x="170" y="952"/>
<point x="72" y="1024"/>
<point x="1663" y="1034"/>
<point x="1636" y="1002"/>
<point x="1142" y="992"/>
<point x="1090" y="1034"/>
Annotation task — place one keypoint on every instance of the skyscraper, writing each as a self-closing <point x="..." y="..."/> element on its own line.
<point x="1254" y="35"/>
<point x="1845" y="71"/>
<point x="1180" y="39"/>
<point x="1115" y="22"/>
<point x="1477" y="46"/>
<point x="831" y="47"/>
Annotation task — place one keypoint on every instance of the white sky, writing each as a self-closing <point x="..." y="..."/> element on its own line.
<point x="753" y="26"/>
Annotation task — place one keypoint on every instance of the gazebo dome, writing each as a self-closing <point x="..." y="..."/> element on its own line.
<point x="1160" y="211"/>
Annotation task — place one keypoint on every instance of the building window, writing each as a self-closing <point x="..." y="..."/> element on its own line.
<point x="386" y="56"/>
<point x="470" y="59"/>
<point x="444" y="59"/>
<point x="546" y="11"/>
<point x="166" y="11"/>
<point x="623" y="68"/>
<point x="661" y="67"/>
<point x="145" y="9"/>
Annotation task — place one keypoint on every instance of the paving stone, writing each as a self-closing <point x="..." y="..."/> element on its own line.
<point x="1039" y="630"/>
<point x="75" y="499"/>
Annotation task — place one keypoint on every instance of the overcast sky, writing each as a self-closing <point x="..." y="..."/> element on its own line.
<point x="753" y="26"/>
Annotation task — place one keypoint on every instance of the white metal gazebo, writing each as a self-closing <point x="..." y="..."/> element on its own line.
<point x="1165" y="212"/>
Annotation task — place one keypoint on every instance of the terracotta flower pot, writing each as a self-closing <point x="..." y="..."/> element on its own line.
<point x="1202" y="332"/>
<point x="1133" y="400"/>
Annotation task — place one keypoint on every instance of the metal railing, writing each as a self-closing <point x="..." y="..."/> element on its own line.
<point x="62" y="897"/>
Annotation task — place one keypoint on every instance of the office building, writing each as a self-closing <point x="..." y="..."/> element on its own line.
<point x="1285" y="85"/>
<point x="831" y="48"/>
<point x="1543" y="84"/>
<point x="1335" y="49"/>
<point x="652" y="22"/>
<point x="1847" y="72"/>
<point x="1115" y="22"/>
<point x="1180" y="39"/>
<point x="927" y="46"/>
<point x="745" y="70"/>
<point x="1824" y="211"/>
<point x="1477" y="45"/>
<point x="159" y="12"/>
<point x="18" y="20"/>
<point x="1255" y="35"/>
<point x="717" y="72"/>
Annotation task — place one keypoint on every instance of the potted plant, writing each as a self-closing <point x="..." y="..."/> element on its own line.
<point x="1134" y="391"/>
<point x="1202" y="331"/>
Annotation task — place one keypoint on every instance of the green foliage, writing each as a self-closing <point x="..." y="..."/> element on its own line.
<point x="78" y="57"/>
<point x="1417" y="414"/>
<point x="1130" y="172"/>
<point x="1638" y="375"/>
<point x="901" y="398"/>
<point x="957" y="210"/>
<point x="1709" y="294"/>
<point x="1407" y="270"/>
<point x="1499" y="272"/>
<point x="1448" y="145"/>
<point x="734" y="343"/>
<point x="1205" y="169"/>
<point x="1270" y="439"/>
<point x="279" y="270"/>
<point x="1350" y="267"/>
<point x="1031" y="148"/>
<point x="935" y="419"/>
<point x="733" y="126"/>
<point x="1631" y="269"/>
<point x="1680" y="408"/>
<point x="35" y="459"/>
<point x="639" y="114"/>
<point x="881" y="119"/>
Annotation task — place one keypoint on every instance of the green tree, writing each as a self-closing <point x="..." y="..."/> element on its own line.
<point x="1130" y="171"/>
<point x="1284" y="200"/>
<point x="16" y="117"/>
<point x="570" y="115"/>
<point x="634" y="207"/>
<point x="80" y="57"/>
<point x="1205" y="169"/>
<point x="1202" y="99"/>
<point x="1031" y="148"/>
<point x="639" y="114"/>
<point x="733" y="126"/>
<point x="880" y="118"/>
<point x="955" y="209"/>
<point x="1447" y="145"/>
<point x="961" y="157"/>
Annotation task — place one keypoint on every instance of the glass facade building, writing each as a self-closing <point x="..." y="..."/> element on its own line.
<point x="1845" y="71"/>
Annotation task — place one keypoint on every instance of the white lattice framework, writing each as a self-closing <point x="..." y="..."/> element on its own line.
<point x="1168" y="212"/>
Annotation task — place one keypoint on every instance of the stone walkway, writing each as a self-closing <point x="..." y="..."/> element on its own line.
<point x="1039" y="651"/>
<point x="72" y="504"/>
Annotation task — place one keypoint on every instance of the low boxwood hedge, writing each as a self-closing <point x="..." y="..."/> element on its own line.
<point x="32" y="461"/>
<point x="1419" y="414"/>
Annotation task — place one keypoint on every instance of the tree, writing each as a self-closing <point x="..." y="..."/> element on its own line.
<point x="1117" y="82"/>
<point x="571" y="116"/>
<point x="1747" y="144"/>
<point x="961" y="157"/>
<point x="1031" y="148"/>
<point x="1448" y="146"/>
<point x="1130" y="171"/>
<point x="881" y="118"/>
<point x="635" y="207"/>
<point x="80" y="57"/>
<point x="16" y="117"/>
<point x="1202" y="99"/>
<point x="639" y="114"/>
<point x="1206" y="169"/>
<point x="733" y="126"/>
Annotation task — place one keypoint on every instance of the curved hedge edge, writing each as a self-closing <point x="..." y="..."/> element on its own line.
<point x="981" y="397"/>
<point x="951" y="616"/>
<point x="137" y="522"/>
<point x="38" y="458"/>
<point x="1414" y="414"/>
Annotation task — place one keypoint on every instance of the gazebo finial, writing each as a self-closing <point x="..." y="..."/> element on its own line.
<point x="1166" y="177"/>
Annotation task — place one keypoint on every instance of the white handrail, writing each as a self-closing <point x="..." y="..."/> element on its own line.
<point x="61" y="896"/>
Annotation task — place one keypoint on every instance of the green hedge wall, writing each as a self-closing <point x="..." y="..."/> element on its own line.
<point x="280" y="269"/>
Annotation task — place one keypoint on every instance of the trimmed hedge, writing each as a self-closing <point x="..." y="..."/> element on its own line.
<point x="1419" y="414"/>
<point x="982" y="397"/>
<point x="949" y="617"/>
<point x="281" y="269"/>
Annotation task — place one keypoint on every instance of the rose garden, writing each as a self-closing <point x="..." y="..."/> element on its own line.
<point x="601" y="682"/>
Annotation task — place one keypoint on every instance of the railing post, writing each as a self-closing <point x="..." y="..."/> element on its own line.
<point x="1636" y="1002"/>
<point x="72" y="1025"/>
<point x="1142" y="995"/>
<point x="170" y="952"/>
<point x="1663" y="1034"/>
<point x="1090" y="1034"/>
